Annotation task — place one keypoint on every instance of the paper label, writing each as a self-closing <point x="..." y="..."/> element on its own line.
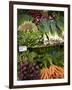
<point x="22" y="48"/>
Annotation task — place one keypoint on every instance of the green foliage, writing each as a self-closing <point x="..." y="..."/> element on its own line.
<point x="24" y="17"/>
<point x="32" y="56"/>
<point x="44" y="26"/>
<point x="49" y="57"/>
<point x="60" y="23"/>
<point x="59" y="59"/>
<point x="51" y="27"/>
<point x="27" y="55"/>
<point x="29" y="38"/>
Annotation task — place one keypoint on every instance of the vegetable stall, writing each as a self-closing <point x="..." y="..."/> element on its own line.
<point x="42" y="32"/>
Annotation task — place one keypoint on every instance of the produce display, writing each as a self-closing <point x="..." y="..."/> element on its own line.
<point x="42" y="34"/>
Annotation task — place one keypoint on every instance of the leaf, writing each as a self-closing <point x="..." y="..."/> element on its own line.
<point x="29" y="38"/>
<point x="53" y="27"/>
<point x="31" y="56"/>
<point x="60" y="25"/>
<point x="24" y="17"/>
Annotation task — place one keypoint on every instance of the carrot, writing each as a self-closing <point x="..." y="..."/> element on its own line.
<point x="59" y="69"/>
<point x="46" y="76"/>
<point x="50" y="71"/>
<point x="57" y="75"/>
<point x="54" y="75"/>
<point x="56" y="72"/>
<point x="60" y="74"/>
<point x="62" y="69"/>
<point x="44" y="73"/>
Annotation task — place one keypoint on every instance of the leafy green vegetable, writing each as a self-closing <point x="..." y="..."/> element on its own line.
<point x="24" y="17"/>
<point x="52" y="27"/>
<point x="29" y="38"/>
<point x="28" y="26"/>
<point x="44" y="26"/>
<point x="44" y="59"/>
